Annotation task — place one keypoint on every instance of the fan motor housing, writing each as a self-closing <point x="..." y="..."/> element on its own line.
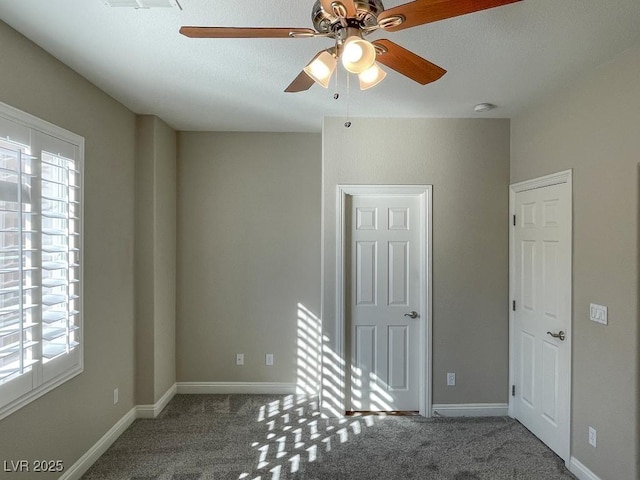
<point x="366" y="15"/>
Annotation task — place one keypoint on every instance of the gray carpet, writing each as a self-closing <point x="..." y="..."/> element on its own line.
<point x="259" y="437"/>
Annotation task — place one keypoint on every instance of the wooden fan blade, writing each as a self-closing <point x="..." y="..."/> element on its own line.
<point x="301" y="83"/>
<point x="408" y="63"/>
<point x="349" y="5"/>
<point x="252" y="32"/>
<point x="420" y="12"/>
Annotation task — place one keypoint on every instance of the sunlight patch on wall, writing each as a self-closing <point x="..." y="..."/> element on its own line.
<point x="309" y="354"/>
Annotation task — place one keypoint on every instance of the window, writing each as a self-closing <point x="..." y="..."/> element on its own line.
<point x="40" y="257"/>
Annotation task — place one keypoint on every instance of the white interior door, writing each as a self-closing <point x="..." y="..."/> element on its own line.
<point x="384" y="253"/>
<point x="541" y="317"/>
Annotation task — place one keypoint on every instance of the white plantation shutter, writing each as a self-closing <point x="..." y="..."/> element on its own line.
<point x="60" y="245"/>
<point x="40" y="259"/>
<point x="18" y="339"/>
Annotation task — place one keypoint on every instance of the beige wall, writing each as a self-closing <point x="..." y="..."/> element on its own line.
<point x="155" y="258"/>
<point x="67" y="421"/>
<point x="467" y="162"/>
<point x="144" y="260"/>
<point x="592" y="127"/>
<point x="248" y="252"/>
<point x="165" y="201"/>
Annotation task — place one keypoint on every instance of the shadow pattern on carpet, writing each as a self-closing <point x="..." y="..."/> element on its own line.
<point x="266" y="437"/>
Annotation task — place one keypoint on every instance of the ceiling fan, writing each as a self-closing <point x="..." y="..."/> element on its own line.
<point x="348" y="22"/>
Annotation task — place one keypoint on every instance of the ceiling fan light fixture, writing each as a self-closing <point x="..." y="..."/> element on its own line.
<point x="358" y="55"/>
<point x="484" y="107"/>
<point x="321" y="68"/>
<point x="371" y="77"/>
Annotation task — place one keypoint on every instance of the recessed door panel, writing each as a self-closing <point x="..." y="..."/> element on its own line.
<point x="550" y="382"/>
<point x="398" y="219"/>
<point x="364" y="368"/>
<point x="365" y="351"/>
<point x="398" y="273"/>
<point x="550" y="216"/>
<point x="528" y="373"/>
<point x="550" y="278"/>
<point x="366" y="218"/>
<point x="528" y="274"/>
<point x="398" y="357"/>
<point x="528" y="215"/>
<point x="366" y="276"/>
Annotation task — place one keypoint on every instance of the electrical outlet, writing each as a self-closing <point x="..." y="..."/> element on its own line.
<point x="451" y="379"/>
<point x="115" y="396"/>
<point x="268" y="359"/>
<point x="239" y="358"/>
<point x="593" y="437"/>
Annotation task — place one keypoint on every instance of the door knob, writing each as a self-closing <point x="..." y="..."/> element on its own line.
<point x="559" y="335"/>
<point x="413" y="314"/>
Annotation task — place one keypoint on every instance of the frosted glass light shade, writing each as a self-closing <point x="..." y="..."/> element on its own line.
<point x="358" y="55"/>
<point x="321" y="68"/>
<point x="371" y="77"/>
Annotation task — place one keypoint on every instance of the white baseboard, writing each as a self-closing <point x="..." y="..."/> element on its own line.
<point x="580" y="471"/>
<point x="470" y="410"/>
<point x="91" y="456"/>
<point x="152" y="411"/>
<point x="236" y="387"/>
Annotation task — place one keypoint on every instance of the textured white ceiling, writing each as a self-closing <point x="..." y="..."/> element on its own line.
<point x="508" y="56"/>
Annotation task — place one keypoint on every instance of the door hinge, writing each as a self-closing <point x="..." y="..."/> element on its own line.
<point x="514" y="220"/>
<point x="513" y="390"/>
<point x="513" y="305"/>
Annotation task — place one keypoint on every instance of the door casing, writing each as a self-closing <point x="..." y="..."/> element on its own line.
<point x="540" y="182"/>
<point x="424" y="192"/>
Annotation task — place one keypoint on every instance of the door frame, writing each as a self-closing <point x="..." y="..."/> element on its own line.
<point x="424" y="192"/>
<point x="564" y="177"/>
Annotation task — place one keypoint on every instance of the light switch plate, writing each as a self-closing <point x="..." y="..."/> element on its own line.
<point x="598" y="313"/>
<point x="593" y="437"/>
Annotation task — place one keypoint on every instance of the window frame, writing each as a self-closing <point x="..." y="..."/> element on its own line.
<point x="36" y="126"/>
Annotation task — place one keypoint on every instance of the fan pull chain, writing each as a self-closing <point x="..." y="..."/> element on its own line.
<point x="336" y="95"/>
<point x="347" y="124"/>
